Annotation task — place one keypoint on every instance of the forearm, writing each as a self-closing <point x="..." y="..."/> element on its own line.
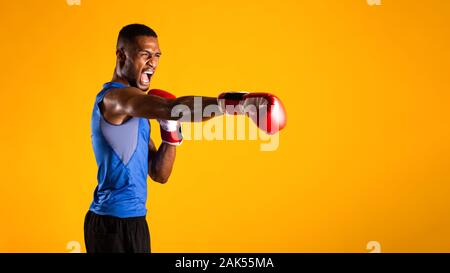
<point x="161" y="163"/>
<point x="195" y="108"/>
<point x="187" y="108"/>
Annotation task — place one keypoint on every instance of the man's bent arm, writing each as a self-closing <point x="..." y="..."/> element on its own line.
<point x="160" y="162"/>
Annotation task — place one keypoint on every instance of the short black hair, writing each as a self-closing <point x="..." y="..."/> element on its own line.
<point x="129" y="32"/>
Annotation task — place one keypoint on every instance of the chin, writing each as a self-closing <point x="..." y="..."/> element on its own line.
<point x="144" y="87"/>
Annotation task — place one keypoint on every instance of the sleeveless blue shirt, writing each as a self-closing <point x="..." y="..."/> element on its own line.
<point x="121" y="153"/>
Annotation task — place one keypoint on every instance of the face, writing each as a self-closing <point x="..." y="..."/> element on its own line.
<point x="138" y="61"/>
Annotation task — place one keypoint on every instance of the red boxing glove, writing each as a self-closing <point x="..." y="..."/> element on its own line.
<point x="170" y="129"/>
<point x="265" y="109"/>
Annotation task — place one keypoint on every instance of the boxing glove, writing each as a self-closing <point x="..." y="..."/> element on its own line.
<point x="264" y="109"/>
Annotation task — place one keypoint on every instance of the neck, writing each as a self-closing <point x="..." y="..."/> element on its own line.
<point x="117" y="78"/>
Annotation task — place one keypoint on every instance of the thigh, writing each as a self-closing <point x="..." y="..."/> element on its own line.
<point x="138" y="236"/>
<point x="103" y="234"/>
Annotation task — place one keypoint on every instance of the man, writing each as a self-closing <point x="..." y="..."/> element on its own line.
<point x="126" y="154"/>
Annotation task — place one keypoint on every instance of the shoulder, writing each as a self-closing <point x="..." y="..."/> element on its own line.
<point x="121" y="95"/>
<point x="123" y="92"/>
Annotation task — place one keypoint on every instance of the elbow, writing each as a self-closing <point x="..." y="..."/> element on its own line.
<point x="164" y="109"/>
<point x="159" y="178"/>
<point x="173" y="110"/>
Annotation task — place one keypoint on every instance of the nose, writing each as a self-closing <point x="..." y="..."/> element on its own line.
<point x="153" y="62"/>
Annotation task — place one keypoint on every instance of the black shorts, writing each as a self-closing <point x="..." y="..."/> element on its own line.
<point x="108" y="234"/>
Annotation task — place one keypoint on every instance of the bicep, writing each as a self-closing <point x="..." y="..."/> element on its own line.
<point x="133" y="102"/>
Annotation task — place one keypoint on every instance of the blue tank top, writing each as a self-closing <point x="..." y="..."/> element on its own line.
<point x="121" y="152"/>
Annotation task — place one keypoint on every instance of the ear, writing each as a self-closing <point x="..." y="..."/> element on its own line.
<point x="121" y="56"/>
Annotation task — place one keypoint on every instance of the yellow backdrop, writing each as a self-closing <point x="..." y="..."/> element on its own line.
<point x="364" y="157"/>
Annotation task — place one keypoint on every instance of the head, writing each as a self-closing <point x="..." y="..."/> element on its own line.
<point x="137" y="55"/>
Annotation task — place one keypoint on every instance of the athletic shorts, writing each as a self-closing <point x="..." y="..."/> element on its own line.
<point x="108" y="234"/>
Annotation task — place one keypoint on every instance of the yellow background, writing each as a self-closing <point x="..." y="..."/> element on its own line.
<point x="364" y="157"/>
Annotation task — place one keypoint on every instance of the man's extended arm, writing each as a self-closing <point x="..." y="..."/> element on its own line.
<point x="133" y="102"/>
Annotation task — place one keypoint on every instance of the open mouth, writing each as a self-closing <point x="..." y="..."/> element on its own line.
<point x="146" y="76"/>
